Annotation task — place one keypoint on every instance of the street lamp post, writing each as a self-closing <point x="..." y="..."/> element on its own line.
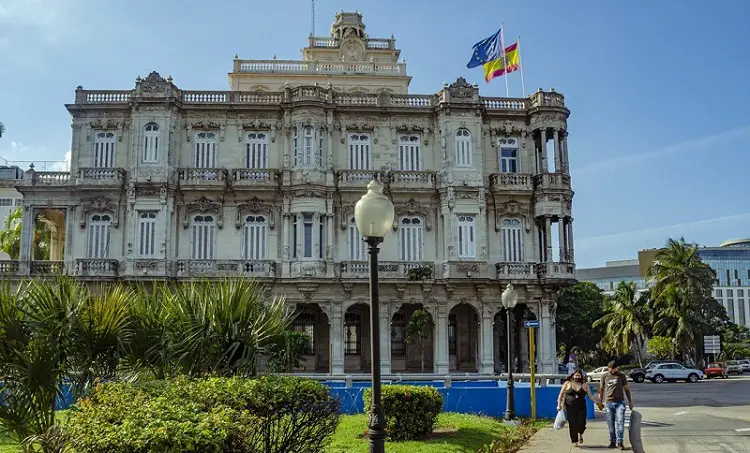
<point x="373" y="215"/>
<point x="509" y="299"/>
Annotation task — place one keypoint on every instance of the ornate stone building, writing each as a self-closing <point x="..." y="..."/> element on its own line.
<point x="260" y="181"/>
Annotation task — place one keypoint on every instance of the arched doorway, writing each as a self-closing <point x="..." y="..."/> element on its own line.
<point x="356" y="339"/>
<point x="416" y="357"/>
<point x="463" y="338"/>
<point x="312" y="321"/>
<point x="521" y="352"/>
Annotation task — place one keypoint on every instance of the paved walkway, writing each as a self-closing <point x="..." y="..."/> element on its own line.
<point x="595" y="438"/>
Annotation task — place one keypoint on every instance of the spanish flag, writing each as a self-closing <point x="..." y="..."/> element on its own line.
<point x="497" y="68"/>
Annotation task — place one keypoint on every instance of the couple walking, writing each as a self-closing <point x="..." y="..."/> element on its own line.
<point x="613" y="388"/>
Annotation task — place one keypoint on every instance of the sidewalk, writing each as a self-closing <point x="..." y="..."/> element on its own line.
<point x="596" y="437"/>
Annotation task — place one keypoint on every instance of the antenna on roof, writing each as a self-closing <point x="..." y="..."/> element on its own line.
<point x="312" y="25"/>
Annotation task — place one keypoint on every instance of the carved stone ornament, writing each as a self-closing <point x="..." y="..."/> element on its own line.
<point x="255" y="205"/>
<point x="461" y="89"/>
<point x="104" y="122"/>
<point x="511" y="209"/>
<point x="153" y="84"/>
<point x="347" y="211"/>
<point x="203" y="205"/>
<point x="508" y="128"/>
<point x="99" y="204"/>
<point x="307" y="290"/>
<point x="413" y="207"/>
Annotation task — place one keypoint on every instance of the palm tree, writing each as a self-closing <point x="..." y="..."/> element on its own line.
<point x="2" y="129"/>
<point x="10" y="237"/>
<point x="626" y="322"/>
<point x="681" y="291"/>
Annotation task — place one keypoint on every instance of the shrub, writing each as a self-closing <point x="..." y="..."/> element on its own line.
<point x="410" y="411"/>
<point x="232" y="415"/>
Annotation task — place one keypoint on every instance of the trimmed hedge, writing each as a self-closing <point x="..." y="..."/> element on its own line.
<point x="411" y="411"/>
<point x="216" y="415"/>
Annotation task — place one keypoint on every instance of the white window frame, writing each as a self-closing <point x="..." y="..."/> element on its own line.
<point x="203" y="236"/>
<point x="463" y="148"/>
<point x="256" y="150"/>
<point x="151" y="135"/>
<point x="99" y="235"/>
<point x="295" y="147"/>
<point x="360" y="151"/>
<point x="105" y="149"/>
<point x="410" y="152"/>
<point x="508" y="164"/>
<point x="355" y="244"/>
<point x="205" y="150"/>
<point x="147" y="233"/>
<point x="466" y="237"/>
<point x="255" y="237"/>
<point x="411" y="238"/>
<point x="512" y="239"/>
<point x="311" y="248"/>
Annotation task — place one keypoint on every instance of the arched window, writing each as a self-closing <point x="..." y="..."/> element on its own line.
<point x="205" y="150"/>
<point x="398" y="335"/>
<point x="305" y="322"/>
<point x="147" y="233"/>
<point x="104" y="149"/>
<point x="151" y="143"/>
<point x="355" y="244"/>
<point x="508" y="153"/>
<point x="254" y="238"/>
<point x="512" y="234"/>
<point x="409" y="153"/>
<point x="463" y="148"/>
<point x="202" y="238"/>
<point x="256" y="150"/>
<point x="352" y="332"/>
<point x="411" y="238"/>
<point x="359" y="152"/>
<point x="452" y="340"/>
<point x="98" y="235"/>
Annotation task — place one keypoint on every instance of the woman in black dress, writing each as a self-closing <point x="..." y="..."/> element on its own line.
<point x="573" y="399"/>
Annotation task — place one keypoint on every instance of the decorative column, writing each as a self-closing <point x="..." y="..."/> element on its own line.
<point x="27" y="240"/>
<point x="442" y="362"/>
<point x="487" y="350"/>
<point x="558" y="151"/>
<point x="337" y="338"/>
<point x="562" y="239"/>
<point x="571" y="248"/>
<point x="385" y="338"/>
<point x="543" y="139"/>
<point x="547" y="363"/>
<point x="548" y="238"/>
<point x="565" y="151"/>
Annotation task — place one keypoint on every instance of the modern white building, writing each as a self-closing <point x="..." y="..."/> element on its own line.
<point x="731" y="261"/>
<point x="261" y="180"/>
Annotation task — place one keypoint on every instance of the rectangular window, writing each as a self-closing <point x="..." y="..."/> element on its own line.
<point x="307" y="238"/>
<point x="295" y="238"/>
<point x="19" y="201"/>
<point x="352" y="323"/>
<point x="98" y="235"/>
<point x="254" y="237"/>
<point x="730" y="293"/>
<point x="308" y="141"/>
<point x="411" y="236"/>
<point x="463" y="148"/>
<point x="730" y="309"/>
<point x="321" y="235"/>
<point x="256" y="150"/>
<point x="151" y="143"/>
<point x="295" y="147"/>
<point x="512" y="236"/>
<point x="509" y="160"/>
<point x="359" y="152"/>
<point x="104" y="149"/>
<point x="321" y="153"/>
<point x="205" y="150"/>
<point x="355" y="242"/>
<point x="743" y="320"/>
<point x="409" y="153"/>
<point x="467" y="236"/>
<point x="6" y="202"/>
<point x="719" y="293"/>
<point x="452" y="335"/>
<point x="203" y="232"/>
<point x="147" y="233"/>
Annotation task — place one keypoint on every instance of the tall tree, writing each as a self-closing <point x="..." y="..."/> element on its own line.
<point x="418" y="330"/>
<point x="626" y="321"/>
<point x="10" y="237"/>
<point x="578" y="307"/>
<point x="681" y="290"/>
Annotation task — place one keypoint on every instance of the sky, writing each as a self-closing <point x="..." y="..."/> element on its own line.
<point x="659" y="133"/>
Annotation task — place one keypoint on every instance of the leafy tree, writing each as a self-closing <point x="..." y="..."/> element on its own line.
<point x="417" y="330"/>
<point x="660" y="347"/>
<point x="626" y="321"/>
<point x="10" y="237"/>
<point x="2" y="129"/>
<point x="735" y="342"/>
<point x="578" y="307"/>
<point x="683" y="305"/>
<point x="287" y="353"/>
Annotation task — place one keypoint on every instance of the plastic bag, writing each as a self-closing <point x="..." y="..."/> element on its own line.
<point x="560" y="420"/>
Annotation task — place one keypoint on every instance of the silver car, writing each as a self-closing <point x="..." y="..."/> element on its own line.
<point x="735" y="367"/>
<point x="745" y="365"/>
<point x="673" y="372"/>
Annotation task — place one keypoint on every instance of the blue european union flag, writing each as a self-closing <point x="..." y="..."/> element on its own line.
<point x="486" y="50"/>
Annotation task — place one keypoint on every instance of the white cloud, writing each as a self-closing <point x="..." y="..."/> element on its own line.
<point x="688" y="145"/>
<point x="48" y="18"/>
<point x="22" y="154"/>
<point x="62" y="165"/>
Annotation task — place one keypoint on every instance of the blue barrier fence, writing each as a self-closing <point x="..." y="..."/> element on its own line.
<point x="467" y="397"/>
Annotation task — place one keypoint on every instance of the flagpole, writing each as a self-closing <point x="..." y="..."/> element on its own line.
<point x="520" y="61"/>
<point x="505" y="60"/>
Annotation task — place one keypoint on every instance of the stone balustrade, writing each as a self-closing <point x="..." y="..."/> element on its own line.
<point x="355" y="179"/>
<point x="326" y="42"/>
<point x="47" y="267"/>
<point x="318" y="67"/>
<point x="100" y="176"/>
<point x="464" y="269"/>
<point x="9" y="267"/>
<point x="516" y="271"/>
<point x="47" y="178"/>
<point x="97" y="267"/>
<point x="386" y="269"/>
<point x="552" y="181"/>
<point x="202" y="176"/>
<point x="556" y="271"/>
<point x="412" y="180"/>
<point x="503" y="182"/>
<point x="226" y="268"/>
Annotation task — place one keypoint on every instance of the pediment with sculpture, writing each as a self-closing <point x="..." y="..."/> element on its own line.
<point x="512" y="209"/>
<point x="100" y="204"/>
<point x="256" y="206"/>
<point x="203" y="204"/>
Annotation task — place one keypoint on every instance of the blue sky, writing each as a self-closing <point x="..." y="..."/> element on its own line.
<point x="659" y="132"/>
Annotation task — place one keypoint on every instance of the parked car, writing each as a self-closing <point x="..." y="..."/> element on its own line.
<point x="745" y="365"/>
<point x="673" y="372"/>
<point x="596" y="375"/>
<point x="639" y="374"/>
<point x="735" y="366"/>
<point x="716" y="369"/>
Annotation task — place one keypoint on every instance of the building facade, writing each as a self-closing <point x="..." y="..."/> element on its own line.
<point x="609" y="276"/>
<point x="731" y="261"/>
<point x="261" y="180"/>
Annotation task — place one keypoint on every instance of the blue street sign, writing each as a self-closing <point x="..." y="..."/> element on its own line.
<point x="531" y="324"/>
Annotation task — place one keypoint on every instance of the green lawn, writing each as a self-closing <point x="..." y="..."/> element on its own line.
<point x="454" y="433"/>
